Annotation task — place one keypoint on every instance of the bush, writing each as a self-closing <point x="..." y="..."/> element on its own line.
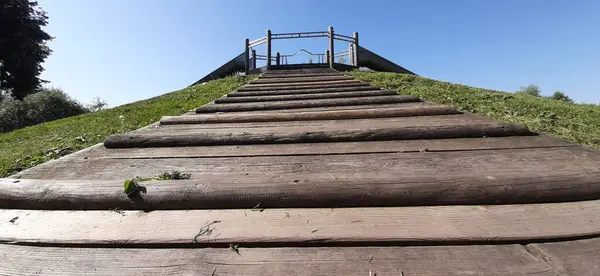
<point x="532" y="90"/>
<point x="560" y="96"/>
<point x="46" y="105"/>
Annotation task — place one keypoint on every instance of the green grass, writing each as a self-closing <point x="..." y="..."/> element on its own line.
<point x="30" y="146"/>
<point x="579" y="123"/>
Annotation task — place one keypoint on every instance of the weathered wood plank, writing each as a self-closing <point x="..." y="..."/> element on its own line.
<point x="545" y="167"/>
<point x="319" y="125"/>
<point x="580" y="257"/>
<point x="295" y="75"/>
<point x="233" y="107"/>
<point x="481" y="260"/>
<point x="231" y="136"/>
<point x="306" y="96"/>
<point x="239" y="93"/>
<point x="400" y="225"/>
<point x="302" y="87"/>
<point x="310" y="116"/>
<point x="302" y="84"/>
<point x="299" y="79"/>
<point x="395" y="146"/>
<point x="343" y="107"/>
<point x="221" y="191"/>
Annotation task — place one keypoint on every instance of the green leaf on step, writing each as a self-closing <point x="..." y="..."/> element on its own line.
<point x="234" y="248"/>
<point x="130" y="187"/>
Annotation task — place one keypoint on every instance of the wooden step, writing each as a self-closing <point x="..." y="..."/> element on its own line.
<point x="296" y="75"/>
<point x="303" y="86"/>
<point x="369" y="189"/>
<point x="236" y="107"/>
<point x="309" y="116"/>
<point x="303" y="91"/>
<point x="299" y="79"/>
<point x="306" y="96"/>
<point x="568" y="258"/>
<point x="517" y="165"/>
<point x="275" y="227"/>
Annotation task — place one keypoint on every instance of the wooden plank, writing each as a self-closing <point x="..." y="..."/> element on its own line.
<point x="301" y="79"/>
<point x="397" y="146"/>
<point x="310" y="116"/>
<point x="232" y="136"/>
<point x="319" y="125"/>
<point x="302" y="87"/>
<point x="306" y="96"/>
<point x="481" y="260"/>
<point x="223" y="191"/>
<point x="399" y="225"/>
<point x="328" y="108"/>
<point x="544" y="166"/>
<point x="234" y="107"/>
<point x="571" y="258"/>
<point x="295" y="75"/>
<point x="302" y="84"/>
<point x="239" y="93"/>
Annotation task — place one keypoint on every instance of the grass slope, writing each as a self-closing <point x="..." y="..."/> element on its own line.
<point x="579" y="123"/>
<point x="30" y="146"/>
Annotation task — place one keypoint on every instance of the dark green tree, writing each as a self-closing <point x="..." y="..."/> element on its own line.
<point x="23" y="46"/>
<point x="558" y="95"/>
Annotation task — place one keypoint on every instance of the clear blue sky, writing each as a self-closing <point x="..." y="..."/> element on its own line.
<point x="125" y="51"/>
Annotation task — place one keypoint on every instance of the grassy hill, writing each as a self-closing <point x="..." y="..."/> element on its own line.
<point x="579" y="123"/>
<point x="33" y="145"/>
<point x="30" y="146"/>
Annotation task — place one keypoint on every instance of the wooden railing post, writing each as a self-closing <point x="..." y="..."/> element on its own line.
<point x="268" y="49"/>
<point x="326" y="56"/>
<point x="247" y="56"/>
<point x="351" y="54"/>
<point x="253" y="59"/>
<point x="356" y="50"/>
<point x="331" y="48"/>
<point x="277" y="59"/>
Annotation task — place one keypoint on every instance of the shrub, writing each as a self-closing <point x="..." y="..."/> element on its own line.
<point x="560" y="96"/>
<point x="46" y="105"/>
<point x="532" y="90"/>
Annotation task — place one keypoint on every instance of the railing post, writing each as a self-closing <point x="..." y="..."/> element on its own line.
<point x="351" y="54"/>
<point x="247" y="56"/>
<point x="277" y="59"/>
<point x="253" y="59"/>
<point x="331" y="48"/>
<point x="326" y="56"/>
<point x="356" y="50"/>
<point x="268" y="49"/>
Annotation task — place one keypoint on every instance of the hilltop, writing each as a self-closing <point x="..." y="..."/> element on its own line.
<point x="33" y="145"/>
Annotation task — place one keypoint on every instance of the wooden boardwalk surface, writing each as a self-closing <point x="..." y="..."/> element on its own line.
<point x="310" y="172"/>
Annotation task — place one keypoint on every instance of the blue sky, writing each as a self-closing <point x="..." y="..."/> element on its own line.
<point x="124" y="51"/>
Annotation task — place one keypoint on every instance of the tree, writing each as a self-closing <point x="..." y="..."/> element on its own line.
<point x="23" y="47"/>
<point x="97" y="104"/>
<point x="532" y="90"/>
<point x="558" y="95"/>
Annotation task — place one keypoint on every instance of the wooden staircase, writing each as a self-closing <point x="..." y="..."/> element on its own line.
<point x="310" y="172"/>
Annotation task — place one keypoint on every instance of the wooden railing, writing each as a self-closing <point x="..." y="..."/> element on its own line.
<point x="351" y="53"/>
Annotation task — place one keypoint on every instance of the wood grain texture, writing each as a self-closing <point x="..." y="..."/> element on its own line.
<point x="239" y="93"/>
<point x="296" y="75"/>
<point x="580" y="257"/>
<point x="267" y="136"/>
<point x="306" y="96"/>
<point x="302" y="79"/>
<point x="395" y="146"/>
<point x="482" y="260"/>
<point x="311" y="83"/>
<point x="312" y="190"/>
<point x="512" y="170"/>
<point x="343" y="107"/>
<point x="310" y="116"/>
<point x="400" y="225"/>
<point x="302" y="87"/>
<point x="234" y="107"/>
